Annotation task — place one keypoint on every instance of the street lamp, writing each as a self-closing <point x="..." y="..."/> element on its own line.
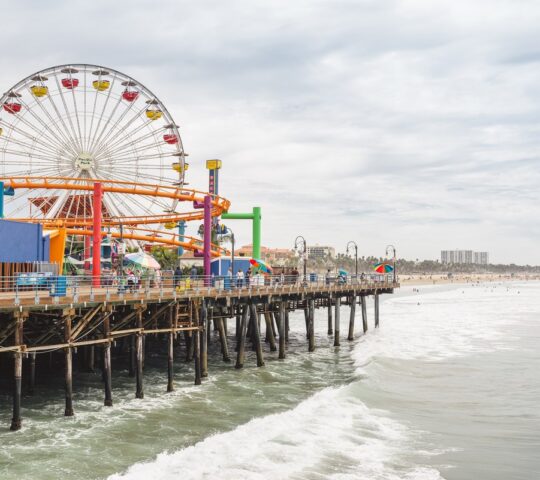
<point x="300" y="237"/>
<point x="352" y="242"/>
<point x="394" y="258"/>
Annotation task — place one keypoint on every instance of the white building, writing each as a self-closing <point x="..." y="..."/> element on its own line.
<point x="464" y="256"/>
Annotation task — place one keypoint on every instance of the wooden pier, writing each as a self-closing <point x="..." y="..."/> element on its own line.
<point x="91" y="323"/>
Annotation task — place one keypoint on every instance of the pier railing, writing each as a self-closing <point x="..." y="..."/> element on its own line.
<point x="42" y="287"/>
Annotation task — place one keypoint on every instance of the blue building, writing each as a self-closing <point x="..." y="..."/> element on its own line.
<point x="23" y="242"/>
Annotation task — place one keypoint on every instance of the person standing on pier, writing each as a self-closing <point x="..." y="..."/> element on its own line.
<point x="177" y="275"/>
<point x="240" y="278"/>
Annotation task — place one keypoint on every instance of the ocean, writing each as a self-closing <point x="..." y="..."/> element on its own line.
<point x="447" y="388"/>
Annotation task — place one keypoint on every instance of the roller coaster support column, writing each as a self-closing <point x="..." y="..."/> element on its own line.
<point x="181" y="232"/>
<point x="207" y="238"/>
<point x="96" y="253"/>
<point x="256" y="217"/>
<point x="1" y="199"/>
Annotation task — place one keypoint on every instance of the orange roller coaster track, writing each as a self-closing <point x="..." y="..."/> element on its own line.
<point x="79" y="225"/>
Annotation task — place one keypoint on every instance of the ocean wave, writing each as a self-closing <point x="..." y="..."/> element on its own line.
<point x="331" y="435"/>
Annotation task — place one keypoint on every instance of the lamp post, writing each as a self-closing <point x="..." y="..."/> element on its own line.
<point x="304" y="253"/>
<point x="394" y="258"/>
<point x="352" y="242"/>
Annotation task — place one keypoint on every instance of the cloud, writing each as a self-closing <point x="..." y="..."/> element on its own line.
<point x="405" y="122"/>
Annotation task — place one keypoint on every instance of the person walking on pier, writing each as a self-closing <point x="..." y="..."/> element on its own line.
<point x="240" y="278"/>
<point x="177" y="275"/>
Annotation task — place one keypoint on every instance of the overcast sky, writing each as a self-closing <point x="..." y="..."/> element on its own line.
<point x="414" y="123"/>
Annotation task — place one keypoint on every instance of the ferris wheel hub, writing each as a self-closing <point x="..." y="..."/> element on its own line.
<point x="85" y="162"/>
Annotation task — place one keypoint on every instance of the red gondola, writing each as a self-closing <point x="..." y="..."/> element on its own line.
<point x="12" y="107"/>
<point x="70" y="83"/>
<point x="170" y="138"/>
<point x="130" y="95"/>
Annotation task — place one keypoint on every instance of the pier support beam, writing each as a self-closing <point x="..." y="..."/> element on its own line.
<point x="270" y="330"/>
<point x="139" y="393"/>
<point x="351" y="319"/>
<point x="257" y="334"/>
<point x="376" y="299"/>
<point x="364" y="313"/>
<point x="204" y="338"/>
<point x="107" y="373"/>
<point x="223" y="338"/>
<point x="282" y="329"/>
<point x="330" y="329"/>
<point x="242" y="339"/>
<point x="16" y="421"/>
<point x="196" y="340"/>
<point x="311" y="325"/>
<point x="170" y="350"/>
<point x="336" y="321"/>
<point x="68" y="412"/>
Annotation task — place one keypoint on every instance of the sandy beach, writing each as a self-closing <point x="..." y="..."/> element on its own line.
<point x="439" y="279"/>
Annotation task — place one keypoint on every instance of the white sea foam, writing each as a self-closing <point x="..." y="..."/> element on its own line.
<point x="436" y="325"/>
<point x="330" y="435"/>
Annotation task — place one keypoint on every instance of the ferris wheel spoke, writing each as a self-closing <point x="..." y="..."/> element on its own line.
<point x="30" y="144"/>
<point x="137" y="173"/>
<point x="72" y="138"/>
<point x="54" y="136"/>
<point x="68" y="115"/>
<point x="37" y="139"/>
<point x="100" y="118"/>
<point x="139" y="156"/>
<point x="95" y="141"/>
<point x="131" y="142"/>
<point x="28" y="154"/>
<point x="81" y="137"/>
<point x="65" y="138"/>
<point x="137" y="115"/>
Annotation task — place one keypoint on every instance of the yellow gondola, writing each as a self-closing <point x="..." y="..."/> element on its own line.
<point x="39" y="90"/>
<point x="101" y="85"/>
<point x="153" y="114"/>
<point x="170" y="225"/>
<point x="178" y="167"/>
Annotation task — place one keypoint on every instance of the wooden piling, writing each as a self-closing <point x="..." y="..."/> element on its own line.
<point x="270" y="330"/>
<point x="257" y="335"/>
<point x="336" y="321"/>
<point x="364" y="313"/>
<point x="170" y="349"/>
<point x="204" y="338"/>
<point x="139" y="393"/>
<point x="282" y="329"/>
<point x="107" y="372"/>
<point x="351" y="319"/>
<point x="330" y="329"/>
<point x="223" y="338"/>
<point x="376" y="299"/>
<point x="311" y="325"/>
<point x="242" y="339"/>
<point x="68" y="412"/>
<point x="90" y="359"/>
<point x="196" y="340"/>
<point x="16" y="421"/>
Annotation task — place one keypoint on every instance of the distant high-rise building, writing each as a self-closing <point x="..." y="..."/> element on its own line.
<point x="464" y="256"/>
<point x="481" y="258"/>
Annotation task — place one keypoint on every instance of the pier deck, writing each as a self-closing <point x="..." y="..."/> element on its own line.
<point x="117" y="321"/>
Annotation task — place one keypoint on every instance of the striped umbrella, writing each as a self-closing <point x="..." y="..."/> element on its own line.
<point x="262" y="266"/>
<point x="143" y="259"/>
<point x="383" y="267"/>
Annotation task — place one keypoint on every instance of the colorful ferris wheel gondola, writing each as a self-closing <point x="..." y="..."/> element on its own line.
<point x="130" y="94"/>
<point x="11" y="104"/>
<point x="70" y="82"/>
<point x="39" y="89"/>
<point x="170" y="136"/>
<point x="102" y="83"/>
<point x="153" y="112"/>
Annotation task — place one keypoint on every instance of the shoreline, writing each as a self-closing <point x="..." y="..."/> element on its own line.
<point x="443" y="279"/>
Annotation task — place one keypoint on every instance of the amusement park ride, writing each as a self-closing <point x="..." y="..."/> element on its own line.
<point x="87" y="149"/>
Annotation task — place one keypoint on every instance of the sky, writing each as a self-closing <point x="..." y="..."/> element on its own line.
<point x="413" y="123"/>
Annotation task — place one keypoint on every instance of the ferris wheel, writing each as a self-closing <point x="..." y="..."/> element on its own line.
<point x="79" y="122"/>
